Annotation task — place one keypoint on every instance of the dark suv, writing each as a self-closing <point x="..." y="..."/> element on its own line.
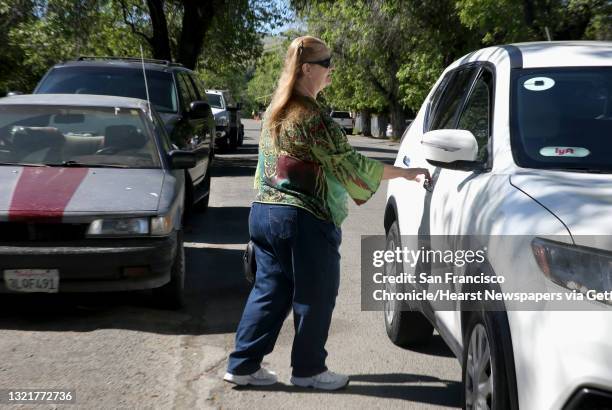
<point x="176" y="93"/>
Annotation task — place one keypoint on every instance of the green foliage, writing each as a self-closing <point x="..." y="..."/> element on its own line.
<point x="65" y="30"/>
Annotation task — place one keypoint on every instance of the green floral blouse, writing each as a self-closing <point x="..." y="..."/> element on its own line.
<point x="315" y="168"/>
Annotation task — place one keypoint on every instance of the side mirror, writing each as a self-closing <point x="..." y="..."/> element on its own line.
<point x="199" y="109"/>
<point x="454" y="149"/>
<point x="181" y="159"/>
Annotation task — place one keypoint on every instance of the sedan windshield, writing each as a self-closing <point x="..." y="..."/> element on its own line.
<point x="122" y="82"/>
<point x="76" y="136"/>
<point x="562" y="119"/>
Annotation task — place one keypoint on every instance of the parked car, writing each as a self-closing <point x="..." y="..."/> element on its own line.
<point x="91" y="198"/>
<point x="229" y="130"/>
<point x="176" y="93"/>
<point x="343" y="119"/>
<point x="517" y="139"/>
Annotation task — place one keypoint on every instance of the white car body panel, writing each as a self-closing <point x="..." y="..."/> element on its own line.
<point x="554" y="351"/>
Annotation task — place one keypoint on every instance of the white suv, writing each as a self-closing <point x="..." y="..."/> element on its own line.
<point x="344" y="120"/>
<point x="518" y="140"/>
<point x="229" y="128"/>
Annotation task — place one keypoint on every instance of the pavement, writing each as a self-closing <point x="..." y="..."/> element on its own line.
<point x="118" y="351"/>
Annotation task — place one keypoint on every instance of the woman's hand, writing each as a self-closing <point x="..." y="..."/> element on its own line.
<point x="411" y="174"/>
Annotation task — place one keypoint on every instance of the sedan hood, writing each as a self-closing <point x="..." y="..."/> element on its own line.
<point x="582" y="201"/>
<point x="69" y="193"/>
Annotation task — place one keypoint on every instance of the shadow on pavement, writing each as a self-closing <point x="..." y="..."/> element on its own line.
<point x="216" y="290"/>
<point x="373" y="149"/>
<point x="387" y="386"/>
<point x="232" y="166"/>
<point x="219" y="225"/>
<point x="435" y="347"/>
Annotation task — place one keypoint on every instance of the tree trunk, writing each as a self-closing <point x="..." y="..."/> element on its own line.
<point x="197" y="18"/>
<point x="161" y="41"/>
<point x="398" y="118"/>
<point x="366" y="123"/>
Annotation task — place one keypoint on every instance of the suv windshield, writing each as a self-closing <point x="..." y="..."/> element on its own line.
<point x="340" y="114"/>
<point x="562" y="118"/>
<point x="76" y="136"/>
<point x="215" y="100"/>
<point x="119" y="81"/>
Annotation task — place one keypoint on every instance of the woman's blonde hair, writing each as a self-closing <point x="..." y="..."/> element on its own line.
<point x="300" y="51"/>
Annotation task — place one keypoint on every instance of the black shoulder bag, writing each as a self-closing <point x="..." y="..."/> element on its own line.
<point x="248" y="263"/>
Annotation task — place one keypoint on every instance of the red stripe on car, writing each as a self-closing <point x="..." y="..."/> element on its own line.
<point x="42" y="194"/>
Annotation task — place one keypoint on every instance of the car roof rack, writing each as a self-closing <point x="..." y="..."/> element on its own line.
<point x="132" y="59"/>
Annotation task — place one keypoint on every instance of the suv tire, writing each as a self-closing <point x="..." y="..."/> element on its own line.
<point x="484" y="362"/>
<point x="404" y="328"/>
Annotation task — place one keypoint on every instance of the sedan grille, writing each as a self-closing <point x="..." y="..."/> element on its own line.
<point x="11" y="232"/>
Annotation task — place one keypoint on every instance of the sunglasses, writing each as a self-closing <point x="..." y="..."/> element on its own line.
<point x="323" y="63"/>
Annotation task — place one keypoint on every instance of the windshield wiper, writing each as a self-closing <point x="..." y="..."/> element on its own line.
<point x="76" y="164"/>
<point x="25" y="164"/>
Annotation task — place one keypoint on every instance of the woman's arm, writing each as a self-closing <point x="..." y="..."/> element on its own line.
<point x="412" y="174"/>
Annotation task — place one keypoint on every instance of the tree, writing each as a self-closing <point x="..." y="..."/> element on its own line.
<point x="195" y="31"/>
<point x="374" y="42"/>
<point x="58" y="30"/>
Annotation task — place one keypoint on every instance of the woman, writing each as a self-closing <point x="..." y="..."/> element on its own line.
<point x="306" y="171"/>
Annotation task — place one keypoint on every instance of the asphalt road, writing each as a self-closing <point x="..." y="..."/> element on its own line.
<point x="118" y="351"/>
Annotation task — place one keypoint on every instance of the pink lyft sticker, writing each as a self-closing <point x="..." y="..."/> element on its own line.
<point x="578" y="152"/>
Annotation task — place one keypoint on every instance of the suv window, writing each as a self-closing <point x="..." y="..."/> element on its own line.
<point x="477" y="115"/>
<point x="445" y="112"/>
<point x="340" y="114"/>
<point x="161" y="132"/>
<point x="119" y="81"/>
<point x="215" y="100"/>
<point x="187" y="92"/>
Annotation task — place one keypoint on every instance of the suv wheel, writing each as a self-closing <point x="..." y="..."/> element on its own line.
<point x="485" y="381"/>
<point x="404" y="328"/>
<point x="172" y="294"/>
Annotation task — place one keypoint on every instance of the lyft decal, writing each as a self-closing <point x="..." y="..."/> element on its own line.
<point x="539" y="84"/>
<point x="564" y="152"/>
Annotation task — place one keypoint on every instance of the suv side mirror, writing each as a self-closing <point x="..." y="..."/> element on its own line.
<point x="199" y="109"/>
<point x="454" y="149"/>
<point x="181" y="159"/>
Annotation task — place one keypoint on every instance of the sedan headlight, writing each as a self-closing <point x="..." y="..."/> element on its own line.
<point x="574" y="267"/>
<point x="119" y="227"/>
<point x="161" y="225"/>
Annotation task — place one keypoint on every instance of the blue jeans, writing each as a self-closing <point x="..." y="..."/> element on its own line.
<point x="298" y="266"/>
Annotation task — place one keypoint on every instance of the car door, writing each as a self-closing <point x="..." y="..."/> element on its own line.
<point x="210" y="120"/>
<point x="192" y="130"/>
<point x="466" y="104"/>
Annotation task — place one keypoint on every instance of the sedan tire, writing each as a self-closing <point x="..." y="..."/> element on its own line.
<point x="172" y="294"/>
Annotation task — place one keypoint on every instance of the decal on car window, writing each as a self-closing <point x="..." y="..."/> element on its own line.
<point x="539" y="84"/>
<point x="564" y="152"/>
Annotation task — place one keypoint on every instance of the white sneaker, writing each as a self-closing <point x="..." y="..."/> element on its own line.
<point x="325" y="381"/>
<point x="261" y="377"/>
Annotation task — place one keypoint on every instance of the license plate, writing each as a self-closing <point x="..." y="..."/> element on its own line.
<point x="32" y="280"/>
